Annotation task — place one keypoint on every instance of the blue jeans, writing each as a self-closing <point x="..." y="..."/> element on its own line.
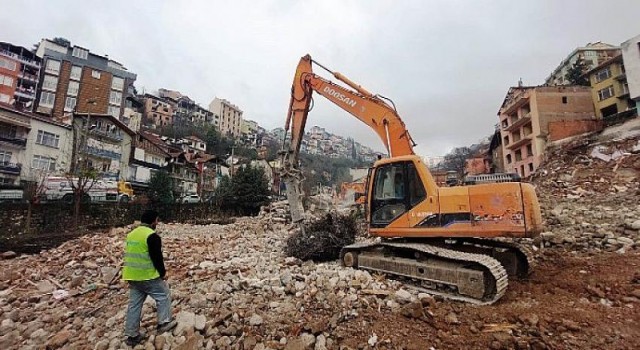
<point x="138" y="291"/>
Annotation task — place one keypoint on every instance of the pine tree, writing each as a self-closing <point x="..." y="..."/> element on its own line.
<point x="575" y="74"/>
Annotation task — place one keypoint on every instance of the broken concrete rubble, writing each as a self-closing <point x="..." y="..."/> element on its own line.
<point x="233" y="288"/>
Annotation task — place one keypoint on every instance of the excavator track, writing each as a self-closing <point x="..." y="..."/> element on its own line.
<point x="516" y="258"/>
<point x="475" y="278"/>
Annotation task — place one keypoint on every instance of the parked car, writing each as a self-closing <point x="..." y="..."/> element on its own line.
<point x="191" y="198"/>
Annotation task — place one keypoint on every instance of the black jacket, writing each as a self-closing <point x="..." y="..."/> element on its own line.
<point x="155" y="253"/>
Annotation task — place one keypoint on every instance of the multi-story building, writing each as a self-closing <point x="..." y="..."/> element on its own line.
<point x="19" y="76"/>
<point x="49" y="149"/>
<point x="132" y="114"/>
<point x="32" y="147"/>
<point x="631" y="59"/>
<point x="104" y="142"/>
<point x="14" y="131"/>
<point x="532" y="116"/>
<point x="592" y="54"/>
<point x="158" y="113"/>
<point x="230" y="116"/>
<point x="610" y="90"/>
<point x="149" y="156"/>
<point x="75" y="80"/>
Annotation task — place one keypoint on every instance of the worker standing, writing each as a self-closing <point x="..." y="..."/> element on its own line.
<point x="145" y="272"/>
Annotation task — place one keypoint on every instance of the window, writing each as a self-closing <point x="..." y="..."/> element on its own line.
<point x="605" y="93"/>
<point x="530" y="167"/>
<point x="114" y="111"/>
<point x="603" y="74"/>
<point x="589" y="53"/>
<point x="80" y="53"/>
<point x="5" y="157"/>
<point x="564" y="99"/>
<point x="529" y="151"/>
<point x="508" y="159"/>
<point x="73" y="88"/>
<point x="48" y="139"/>
<point x="115" y="98"/>
<point x="47" y="99"/>
<point x="4" y="98"/>
<point x="53" y="67"/>
<point x="7" y="64"/>
<point x="76" y="73"/>
<point x="117" y="83"/>
<point x="5" y="80"/>
<point x="95" y="74"/>
<point x="506" y="140"/>
<point x="44" y="163"/>
<point x="518" y="155"/>
<point x="69" y="104"/>
<point x="50" y="83"/>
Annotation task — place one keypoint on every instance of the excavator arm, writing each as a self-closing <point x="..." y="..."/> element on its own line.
<point x="373" y="110"/>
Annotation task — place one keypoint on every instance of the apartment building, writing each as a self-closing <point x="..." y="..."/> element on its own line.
<point x="186" y="111"/>
<point x="532" y="116"/>
<point x="149" y="156"/>
<point x="592" y="54"/>
<point x="157" y="112"/>
<point x="104" y="142"/>
<point x="631" y="59"/>
<point x="75" y="80"/>
<point x="19" y="76"/>
<point x="32" y="146"/>
<point x="14" y="131"/>
<point x="230" y="116"/>
<point x="610" y="91"/>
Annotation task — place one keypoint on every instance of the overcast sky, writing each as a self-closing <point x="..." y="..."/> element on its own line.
<point x="446" y="64"/>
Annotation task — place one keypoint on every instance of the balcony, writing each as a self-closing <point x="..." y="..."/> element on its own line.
<point x="10" y="168"/>
<point x="517" y="144"/>
<point x="518" y="101"/>
<point x="621" y="76"/>
<point x="26" y="93"/>
<point x="102" y="153"/>
<point x="147" y="164"/>
<point x="621" y="117"/>
<point x="16" y="142"/>
<point x="106" y="134"/>
<point x="28" y="77"/>
<point x="518" y="123"/>
<point x="20" y="58"/>
<point x="624" y="93"/>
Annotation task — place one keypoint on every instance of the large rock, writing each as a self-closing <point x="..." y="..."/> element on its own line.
<point x="186" y="321"/>
<point x="304" y="342"/>
<point x="59" y="339"/>
<point x="194" y="342"/>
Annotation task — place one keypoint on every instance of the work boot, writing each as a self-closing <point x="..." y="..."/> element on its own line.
<point x="167" y="326"/>
<point x="133" y="341"/>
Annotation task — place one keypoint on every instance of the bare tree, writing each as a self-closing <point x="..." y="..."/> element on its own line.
<point x="82" y="176"/>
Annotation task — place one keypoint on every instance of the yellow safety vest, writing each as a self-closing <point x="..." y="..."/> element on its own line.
<point x="137" y="262"/>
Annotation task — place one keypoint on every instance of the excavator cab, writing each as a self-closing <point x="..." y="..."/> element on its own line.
<point x="397" y="188"/>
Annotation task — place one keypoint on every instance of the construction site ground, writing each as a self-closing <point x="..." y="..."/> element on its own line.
<point x="234" y="288"/>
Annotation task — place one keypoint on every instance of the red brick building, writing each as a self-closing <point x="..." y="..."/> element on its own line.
<point x="19" y="77"/>
<point x="74" y="79"/>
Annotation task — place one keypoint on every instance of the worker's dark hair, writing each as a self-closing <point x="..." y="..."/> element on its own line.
<point x="149" y="217"/>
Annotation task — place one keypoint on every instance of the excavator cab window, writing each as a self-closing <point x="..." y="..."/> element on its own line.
<point x="389" y="196"/>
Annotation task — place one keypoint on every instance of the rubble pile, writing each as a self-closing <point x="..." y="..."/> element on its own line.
<point x="232" y="288"/>
<point x="589" y="193"/>
<point x="322" y="239"/>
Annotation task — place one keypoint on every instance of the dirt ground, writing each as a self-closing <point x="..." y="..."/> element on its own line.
<point x="563" y="305"/>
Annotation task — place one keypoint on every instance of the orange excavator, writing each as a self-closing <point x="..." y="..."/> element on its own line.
<point x="444" y="240"/>
<point x="355" y="188"/>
